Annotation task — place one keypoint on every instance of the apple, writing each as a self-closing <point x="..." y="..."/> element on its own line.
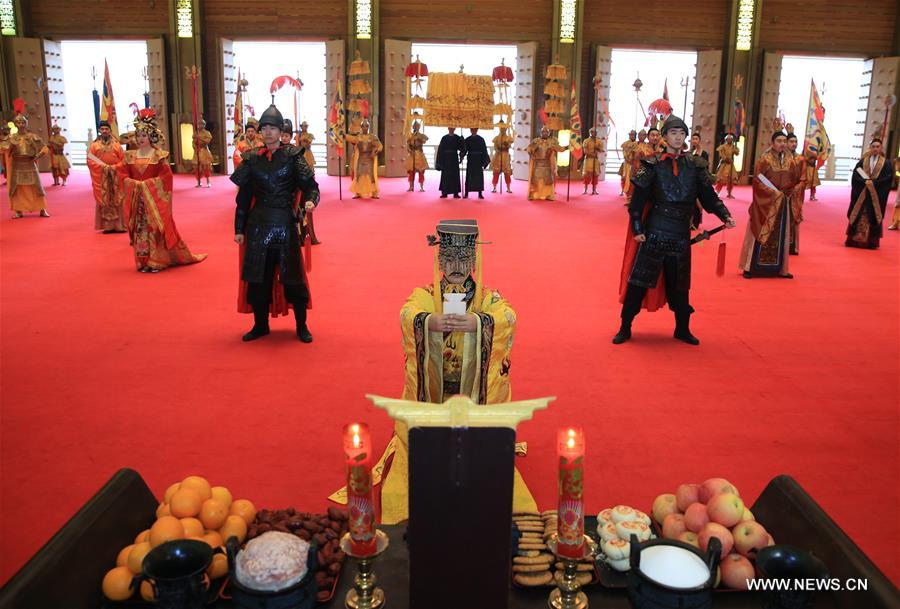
<point x="696" y="517"/>
<point x="749" y="537"/>
<point x="686" y="495"/>
<point x="663" y="506"/>
<point x="689" y="537"/>
<point x="673" y="526"/>
<point x="714" y="529"/>
<point x="748" y="515"/>
<point x="726" y="508"/>
<point x="715" y="486"/>
<point x="736" y="571"/>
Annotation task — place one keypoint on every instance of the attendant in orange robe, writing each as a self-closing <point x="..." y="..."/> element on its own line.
<point x="768" y="237"/>
<point x="246" y="142"/>
<point x="59" y="164"/>
<point x="146" y="191"/>
<point x="202" y="139"/>
<point x="22" y="149"/>
<point x="103" y="156"/>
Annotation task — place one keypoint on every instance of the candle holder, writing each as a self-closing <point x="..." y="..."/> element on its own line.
<point x="568" y="594"/>
<point x="365" y="595"/>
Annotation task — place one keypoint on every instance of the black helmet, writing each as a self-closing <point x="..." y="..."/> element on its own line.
<point x="674" y="122"/>
<point x="272" y="117"/>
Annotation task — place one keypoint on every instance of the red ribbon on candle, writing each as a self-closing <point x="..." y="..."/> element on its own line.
<point x="570" y="530"/>
<point x="360" y="497"/>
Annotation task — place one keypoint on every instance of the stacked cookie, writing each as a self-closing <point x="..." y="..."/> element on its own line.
<point x="534" y="563"/>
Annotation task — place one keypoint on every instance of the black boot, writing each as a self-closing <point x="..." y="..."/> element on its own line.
<point x="260" y="324"/>
<point x="682" y="329"/>
<point x="624" y="333"/>
<point x="303" y="333"/>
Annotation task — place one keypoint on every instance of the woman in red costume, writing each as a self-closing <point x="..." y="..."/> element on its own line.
<point x="146" y="189"/>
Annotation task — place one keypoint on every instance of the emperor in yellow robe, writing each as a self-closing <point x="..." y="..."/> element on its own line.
<point x="448" y="355"/>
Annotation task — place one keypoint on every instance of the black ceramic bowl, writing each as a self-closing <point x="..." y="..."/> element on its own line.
<point x="788" y="562"/>
<point x="175" y="569"/>
<point x="177" y="559"/>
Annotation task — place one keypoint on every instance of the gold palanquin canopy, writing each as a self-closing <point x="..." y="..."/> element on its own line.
<point x="460" y="100"/>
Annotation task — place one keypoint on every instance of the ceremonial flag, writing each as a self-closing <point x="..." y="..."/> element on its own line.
<point x="239" y="106"/>
<point x="108" y="107"/>
<point x="816" y="137"/>
<point x="337" y="121"/>
<point x="575" y="125"/>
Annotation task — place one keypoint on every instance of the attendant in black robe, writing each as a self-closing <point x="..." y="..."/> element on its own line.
<point x="870" y="185"/>
<point x="476" y="150"/>
<point x="449" y="155"/>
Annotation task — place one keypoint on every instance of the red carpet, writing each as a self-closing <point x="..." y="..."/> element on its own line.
<point x="104" y="367"/>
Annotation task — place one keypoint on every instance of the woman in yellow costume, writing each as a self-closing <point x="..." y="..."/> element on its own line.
<point x="364" y="167"/>
<point x="21" y="151"/>
<point x="449" y="354"/>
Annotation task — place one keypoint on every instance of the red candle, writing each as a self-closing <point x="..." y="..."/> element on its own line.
<point x="360" y="501"/>
<point x="570" y="530"/>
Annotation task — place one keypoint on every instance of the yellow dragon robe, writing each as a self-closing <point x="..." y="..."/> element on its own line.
<point x="440" y="365"/>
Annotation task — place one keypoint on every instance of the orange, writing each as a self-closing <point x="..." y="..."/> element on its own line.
<point x="192" y="527"/>
<point x="136" y="558"/>
<point x="213" y="539"/>
<point x="218" y="567"/>
<point x="147" y="591"/>
<point x="223" y="495"/>
<point x="185" y="503"/>
<point x="171" y="491"/>
<point x="213" y="513"/>
<point x="117" y="584"/>
<point x="163" y="510"/>
<point x="165" y="529"/>
<point x="199" y="484"/>
<point x="234" y="527"/>
<point x="142" y="536"/>
<point x="122" y="558"/>
<point x="244" y="509"/>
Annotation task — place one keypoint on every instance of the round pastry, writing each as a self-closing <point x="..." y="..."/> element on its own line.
<point x="607" y="531"/>
<point x="616" y="549"/>
<point x="625" y="530"/>
<point x="620" y="565"/>
<point x="623" y="513"/>
<point x="642" y="517"/>
<point x="605" y="516"/>
<point x="273" y="561"/>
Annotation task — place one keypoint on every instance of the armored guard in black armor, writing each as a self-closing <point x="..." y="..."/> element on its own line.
<point x="669" y="184"/>
<point x="266" y="223"/>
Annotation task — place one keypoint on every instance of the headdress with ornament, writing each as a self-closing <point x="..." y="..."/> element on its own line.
<point x="19" y="109"/>
<point x="457" y="239"/>
<point x="145" y="122"/>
